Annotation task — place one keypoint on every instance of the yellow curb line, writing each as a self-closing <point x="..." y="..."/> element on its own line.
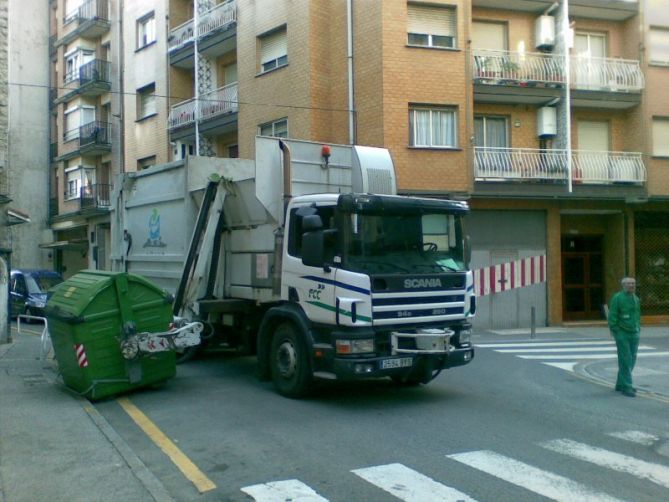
<point x="178" y="458"/>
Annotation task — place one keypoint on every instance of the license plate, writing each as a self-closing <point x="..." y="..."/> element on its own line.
<point x="400" y="362"/>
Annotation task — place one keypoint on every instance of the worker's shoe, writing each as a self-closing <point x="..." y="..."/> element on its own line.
<point x="629" y="392"/>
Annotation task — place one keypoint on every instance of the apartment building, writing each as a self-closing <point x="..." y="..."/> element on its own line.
<point x="550" y="118"/>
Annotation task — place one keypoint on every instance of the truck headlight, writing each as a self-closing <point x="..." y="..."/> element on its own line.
<point x="465" y="336"/>
<point x="357" y="346"/>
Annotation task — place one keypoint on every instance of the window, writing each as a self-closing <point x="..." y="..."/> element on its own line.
<point x="429" y="26"/>
<point x="146" y="30"/>
<point x="146" y="162"/>
<point x="487" y="35"/>
<point x="490" y="132"/>
<point x="75" y="118"/>
<point x="433" y="127"/>
<point x="72" y="10"/>
<point x="658" y="42"/>
<point x="278" y="128"/>
<point x="75" y="60"/>
<point x="146" y="101"/>
<point x="233" y="151"/>
<point x="661" y="136"/>
<point x="327" y="214"/>
<point x="273" y="50"/>
<point x="77" y="177"/>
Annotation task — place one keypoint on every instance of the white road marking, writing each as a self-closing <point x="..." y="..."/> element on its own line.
<point x="563" y="366"/>
<point x="527" y="331"/>
<point x="636" y="437"/>
<point x="570" y="356"/>
<point x="281" y="491"/>
<point x="409" y="485"/>
<point x="543" y="344"/>
<point x="568" y="349"/>
<point x="544" y="483"/>
<point x="656" y="473"/>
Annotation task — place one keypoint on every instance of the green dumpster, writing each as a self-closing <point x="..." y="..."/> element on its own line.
<point x="90" y="315"/>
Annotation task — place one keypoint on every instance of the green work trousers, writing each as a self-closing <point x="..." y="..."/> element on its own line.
<point x="627" y="344"/>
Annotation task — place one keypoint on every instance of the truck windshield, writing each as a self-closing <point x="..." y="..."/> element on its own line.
<point x="406" y="243"/>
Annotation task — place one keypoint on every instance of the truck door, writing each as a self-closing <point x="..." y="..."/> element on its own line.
<point x="312" y="287"/>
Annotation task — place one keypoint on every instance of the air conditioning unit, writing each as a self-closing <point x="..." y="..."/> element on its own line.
<point x="181" y="150"/>
<point x="546" y="122"/>
<point x="544" y="33"/>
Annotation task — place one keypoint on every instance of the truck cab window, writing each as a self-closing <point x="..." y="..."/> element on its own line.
<point x="327" y="214"/>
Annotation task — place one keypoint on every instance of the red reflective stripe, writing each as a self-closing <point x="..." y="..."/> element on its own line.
<point x="513" y="274"/>
<point x="542" y="271"/>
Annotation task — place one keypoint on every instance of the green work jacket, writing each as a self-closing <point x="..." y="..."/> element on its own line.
<point x="624" y="313"/>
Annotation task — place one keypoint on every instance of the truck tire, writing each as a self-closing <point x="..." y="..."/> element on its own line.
<point x="289" y="362"/>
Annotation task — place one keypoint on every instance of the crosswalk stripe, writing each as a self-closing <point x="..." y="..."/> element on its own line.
<point x="281" y="491"/>
<point x="636" y="437"/>
<point x="544" y="483"/>
<point x="568" y="349"/>
<point x="570" y="356"/>
<point x="409" y="485"/>
<point x="656" y="473"/>
<point x="543" y="344"/>
<point x="563" y="366"/>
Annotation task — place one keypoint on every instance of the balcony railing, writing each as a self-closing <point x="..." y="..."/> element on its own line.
<point x="216" y="18"/>
<point x="523" y="68"/>
<point x="219" y="101"/>
<point x="93" y="71"/>
<point x="211" y="104"/>
<point x="606" y="74"/>
<point x="95" y="134"/>
<point x="89" y="10"/>
<point x="95" y="196"/>
<point x="180" y="36"/>
<point x="525" y="164"/>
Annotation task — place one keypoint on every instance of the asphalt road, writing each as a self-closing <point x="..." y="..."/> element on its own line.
<point x="501" y="428"/>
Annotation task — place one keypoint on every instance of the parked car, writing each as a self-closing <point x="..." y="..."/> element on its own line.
<point x="28" y="290"/>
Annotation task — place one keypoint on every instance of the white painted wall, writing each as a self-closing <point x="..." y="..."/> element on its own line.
<point x="28" y="156"/>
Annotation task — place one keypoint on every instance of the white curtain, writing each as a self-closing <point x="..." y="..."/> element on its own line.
<point x="443" y="128"/>
<point x="421" y="127"/>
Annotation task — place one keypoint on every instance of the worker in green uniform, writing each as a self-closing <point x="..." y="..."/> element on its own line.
<point x="625" y="324"/>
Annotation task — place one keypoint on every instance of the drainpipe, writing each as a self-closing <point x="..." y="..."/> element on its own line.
<point x="121" y="66"/>
<point x="349" y="57"/>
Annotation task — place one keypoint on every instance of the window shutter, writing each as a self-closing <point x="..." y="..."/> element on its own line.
<point x="593" y="135"/>
<point x="489" y="36"/>
<point x="658" y="40"/>
<point x="273" y="46"/>
<point x="661" y="137"/>
<point x="428" y="20"/>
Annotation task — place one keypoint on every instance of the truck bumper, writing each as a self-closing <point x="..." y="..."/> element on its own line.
<point x="377" y="367"/>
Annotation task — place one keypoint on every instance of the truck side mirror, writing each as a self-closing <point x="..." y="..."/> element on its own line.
<point x="467" y="251"/>
<point x="311" y="222"/>
<point x="313" y="249"/>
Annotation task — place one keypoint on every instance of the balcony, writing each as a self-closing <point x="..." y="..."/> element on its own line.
<point x="216" y="32"/>
<point x="89" y="79"/>
<point x="594" y="173"/>
<point x="93" y="140"/>
<point x="217" y="111"/>
<point x="614" y="10"/>
<point x="515" y="77"/>
<point x="91" y="18"/>
<point x="95" y="197"/>
<point x="606" y="82"/>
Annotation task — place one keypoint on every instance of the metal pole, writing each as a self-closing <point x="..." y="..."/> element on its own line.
<point x="197" y="79"/>
<point x="567" y="86"/>
<point x="533" y="323"/>
<point x="349" y="56"/>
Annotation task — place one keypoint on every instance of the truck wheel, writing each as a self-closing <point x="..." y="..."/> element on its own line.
<point x="289" y="362"/>
<point x="186" y="354"/>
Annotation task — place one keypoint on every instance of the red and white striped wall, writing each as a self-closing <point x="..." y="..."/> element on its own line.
<point x="511" y="275"/>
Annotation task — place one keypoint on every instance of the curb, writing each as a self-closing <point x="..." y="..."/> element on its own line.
<point x="152" y="484"/>
<point x="583" y="371"/>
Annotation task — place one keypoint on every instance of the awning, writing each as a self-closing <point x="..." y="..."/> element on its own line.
<point x="16" y="217"/>
<point x="74" y="244"/>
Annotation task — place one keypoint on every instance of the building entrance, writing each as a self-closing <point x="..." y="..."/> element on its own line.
<point x="582" y="278"/>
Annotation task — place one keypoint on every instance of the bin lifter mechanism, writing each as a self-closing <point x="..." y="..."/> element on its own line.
<point x="135" y="344"/>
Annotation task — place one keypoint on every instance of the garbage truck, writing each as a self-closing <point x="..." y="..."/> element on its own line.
<point x="306" y="257"/>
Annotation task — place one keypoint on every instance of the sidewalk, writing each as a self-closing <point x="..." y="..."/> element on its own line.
<point x="651" y="374"/>
<point x="53" y="444"/>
